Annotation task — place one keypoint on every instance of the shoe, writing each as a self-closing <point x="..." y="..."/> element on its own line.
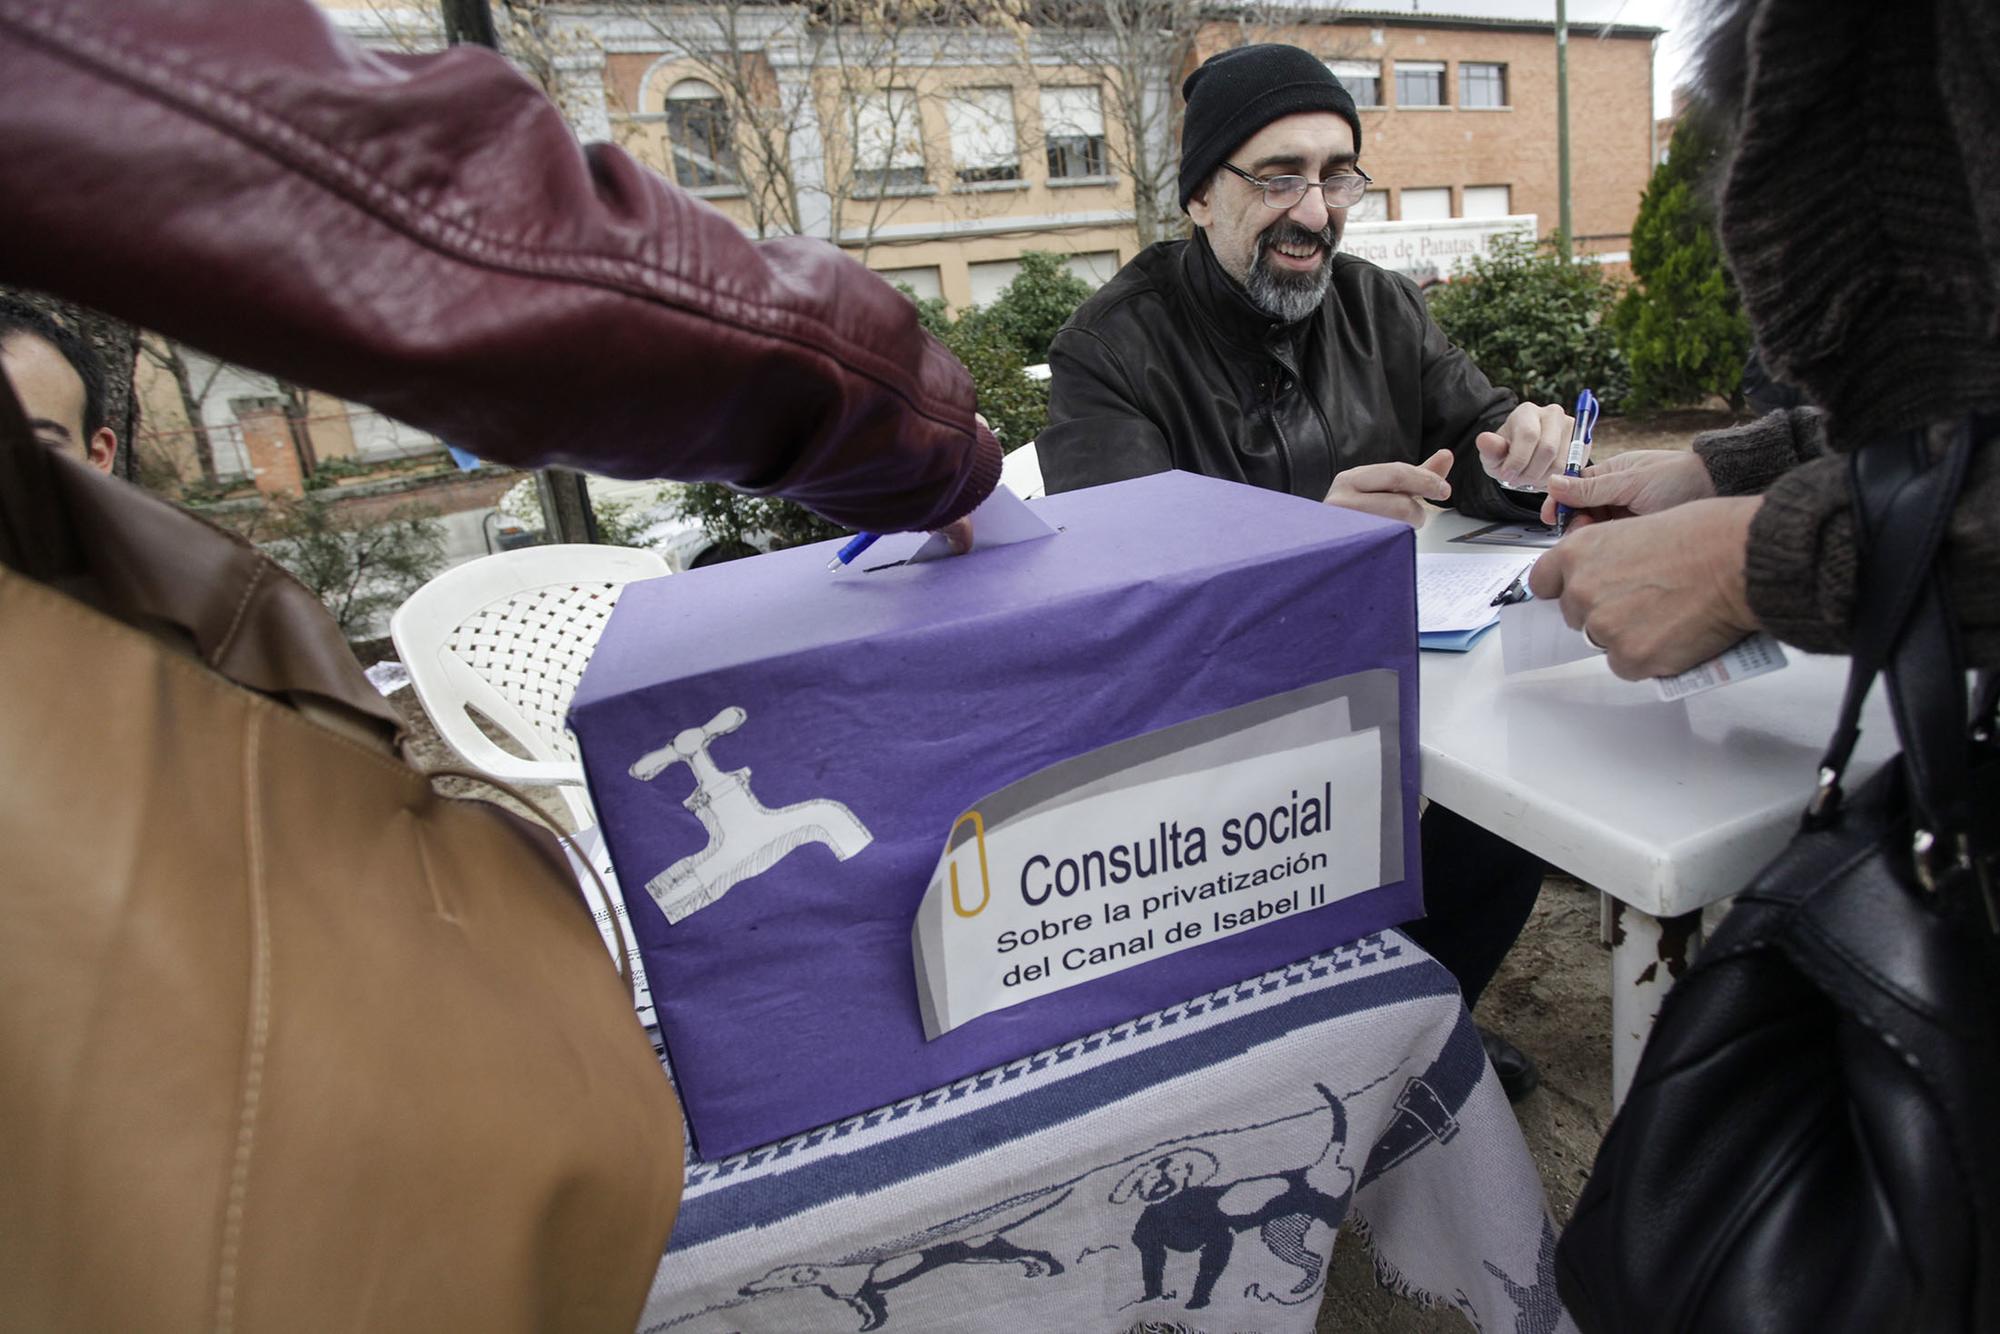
<point x="1518" y="1075"/>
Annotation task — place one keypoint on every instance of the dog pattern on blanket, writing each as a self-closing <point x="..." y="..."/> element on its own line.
<point x="1194" y="1195"/>
<point x="863" y="1280"/>
<point x="1187" y="1210"/>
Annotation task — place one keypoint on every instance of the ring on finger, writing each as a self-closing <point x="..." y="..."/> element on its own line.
<point x="1592" y="642"/>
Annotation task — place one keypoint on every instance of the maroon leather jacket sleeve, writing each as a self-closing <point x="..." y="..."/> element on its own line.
<point x="424" y="235"/>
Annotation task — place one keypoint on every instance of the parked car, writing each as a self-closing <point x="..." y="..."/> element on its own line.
<point x="637" y="514"/>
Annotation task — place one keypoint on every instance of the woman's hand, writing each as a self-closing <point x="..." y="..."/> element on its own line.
<point x="1658" y="593"/>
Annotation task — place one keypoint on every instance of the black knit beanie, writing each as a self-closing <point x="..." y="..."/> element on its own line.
<point x="1237" y="93"/>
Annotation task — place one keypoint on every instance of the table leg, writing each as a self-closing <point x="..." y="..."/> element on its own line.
<point x="1648" y="955"/>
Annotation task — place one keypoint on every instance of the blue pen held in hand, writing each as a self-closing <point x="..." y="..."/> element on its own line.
<point x="1579" y="448"/>
<point x="857" y="544"/>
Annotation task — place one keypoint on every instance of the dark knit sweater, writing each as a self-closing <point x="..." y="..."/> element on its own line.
<point x="1862" y="219"/>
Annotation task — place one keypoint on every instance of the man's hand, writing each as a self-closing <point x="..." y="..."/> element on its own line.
<point x="1644" y="481"/>
<point x="1393" y="490"/>
<point x="958" y="534"/>
<point x="1660" y="593"/>
<point x="1530" y="444"/>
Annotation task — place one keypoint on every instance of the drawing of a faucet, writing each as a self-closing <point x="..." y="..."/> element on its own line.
<point x="745" y="837"/>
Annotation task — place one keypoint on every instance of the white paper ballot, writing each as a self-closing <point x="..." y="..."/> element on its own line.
<point x="1756" y="656"/>
<point x="1456" y="592"/>
<point x="1001" y="519"/>
<point x="1534" y="635"/>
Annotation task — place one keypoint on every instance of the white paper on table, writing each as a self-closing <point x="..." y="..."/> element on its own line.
<point x="1001" y="519"/>
<point x="1456" y="592"/>
<point x="1527" y="533"/>
<point x="1534" y="635"/>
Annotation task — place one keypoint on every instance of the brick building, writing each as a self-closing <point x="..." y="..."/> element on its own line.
<point x="1458" y="117"/>
<point x="938" y="155"/>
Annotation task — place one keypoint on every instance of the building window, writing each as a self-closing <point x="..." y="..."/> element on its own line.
<point x="1482" y="85"/>
<point x="698" y="132"/>
<point x="1073" y="128"/>
<point x="1488" y="201"/>
<point x="1420" y="83"/>
<point x="1427" y="205"/>
<point x="1374" y="207"/>
<point x="924" y="281"/>
<point x="888" y="143"/>
<point x="982" y="135"/>
<point x="990" y="279"/>
<point x="1361" y="78"/>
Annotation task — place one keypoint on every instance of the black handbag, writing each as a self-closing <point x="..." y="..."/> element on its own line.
<point x="1812" y="1139"/>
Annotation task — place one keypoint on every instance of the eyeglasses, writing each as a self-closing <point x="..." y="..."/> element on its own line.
<point x="1283" y="192"/>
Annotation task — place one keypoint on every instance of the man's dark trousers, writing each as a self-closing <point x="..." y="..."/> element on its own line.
<point x="1478" y="892"/>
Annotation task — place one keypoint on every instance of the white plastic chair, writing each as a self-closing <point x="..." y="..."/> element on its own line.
<point x="1022" y="472"/>
<point x="508" y="636"/>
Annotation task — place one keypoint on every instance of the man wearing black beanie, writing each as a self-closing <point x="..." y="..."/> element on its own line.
<point x="1256" y="352"/>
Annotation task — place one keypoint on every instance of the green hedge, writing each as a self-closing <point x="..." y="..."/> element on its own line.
<point x="1682" y="326"/>
<point x="1535" y="323"/>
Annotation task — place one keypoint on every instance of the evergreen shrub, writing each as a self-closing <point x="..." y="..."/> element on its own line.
<point x="1536" y="323"/>
<point x="1682" y="327"/>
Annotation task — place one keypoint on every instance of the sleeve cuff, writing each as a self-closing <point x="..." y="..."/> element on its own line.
<point x="1799" y="572"/>
<point x="980" y="479"/>
<point x="1745" y="460"/>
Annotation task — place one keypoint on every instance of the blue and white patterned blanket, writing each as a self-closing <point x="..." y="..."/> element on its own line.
<point x="1187" y="1170"/>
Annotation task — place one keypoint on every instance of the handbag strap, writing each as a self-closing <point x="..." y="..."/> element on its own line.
<point x="1901" y="505"/>
<point x="1903" y="629"/>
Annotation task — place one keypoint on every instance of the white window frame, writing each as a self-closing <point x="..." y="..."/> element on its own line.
<point x="889" y="143"/>
<point x="1471" y="192"/>
<point x="1073" y="133"/>
<point x="926" y="280"/>
<point x="1465" y="68"/>
<point x="1347" y="71"/>
<point x="715" y="157"/>
<point x="985" y="147"/>
<point x="1427" y="193"/>
<point x="1435" y="68"/>
<point x="1373" y="207"/>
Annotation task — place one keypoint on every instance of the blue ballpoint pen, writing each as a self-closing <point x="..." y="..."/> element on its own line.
<point x="1579" y="448"/>
<point x="857" y="544"/>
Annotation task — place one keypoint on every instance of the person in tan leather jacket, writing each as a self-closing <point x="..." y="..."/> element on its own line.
<point x="425" y="236"/>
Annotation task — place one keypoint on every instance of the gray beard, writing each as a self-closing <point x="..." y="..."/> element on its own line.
<point x="1285" y="296"/>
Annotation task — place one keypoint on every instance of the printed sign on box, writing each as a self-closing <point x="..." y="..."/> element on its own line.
<point x="1151" y="846"/>
<point x="779" y="759"/>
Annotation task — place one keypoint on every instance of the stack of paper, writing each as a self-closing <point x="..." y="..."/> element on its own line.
<point x="1456" y="595"/>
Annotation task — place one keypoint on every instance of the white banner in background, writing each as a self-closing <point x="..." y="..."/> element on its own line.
<point x="1161" y="843"/>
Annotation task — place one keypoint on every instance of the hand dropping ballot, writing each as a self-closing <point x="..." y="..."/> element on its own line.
<point x="881" y="829"/>
<point x="1001" y="519"/>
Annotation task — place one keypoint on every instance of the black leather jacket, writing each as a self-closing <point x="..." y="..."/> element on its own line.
<point x="1171" y="366"/>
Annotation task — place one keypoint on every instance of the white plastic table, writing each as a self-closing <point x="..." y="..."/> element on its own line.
<point x="1664" y="807"/>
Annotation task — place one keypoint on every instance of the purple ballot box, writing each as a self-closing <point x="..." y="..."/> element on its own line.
<point x="883" y="830"/>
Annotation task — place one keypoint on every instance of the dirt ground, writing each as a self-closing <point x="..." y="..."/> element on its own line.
<point x="1552" y="998"/>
